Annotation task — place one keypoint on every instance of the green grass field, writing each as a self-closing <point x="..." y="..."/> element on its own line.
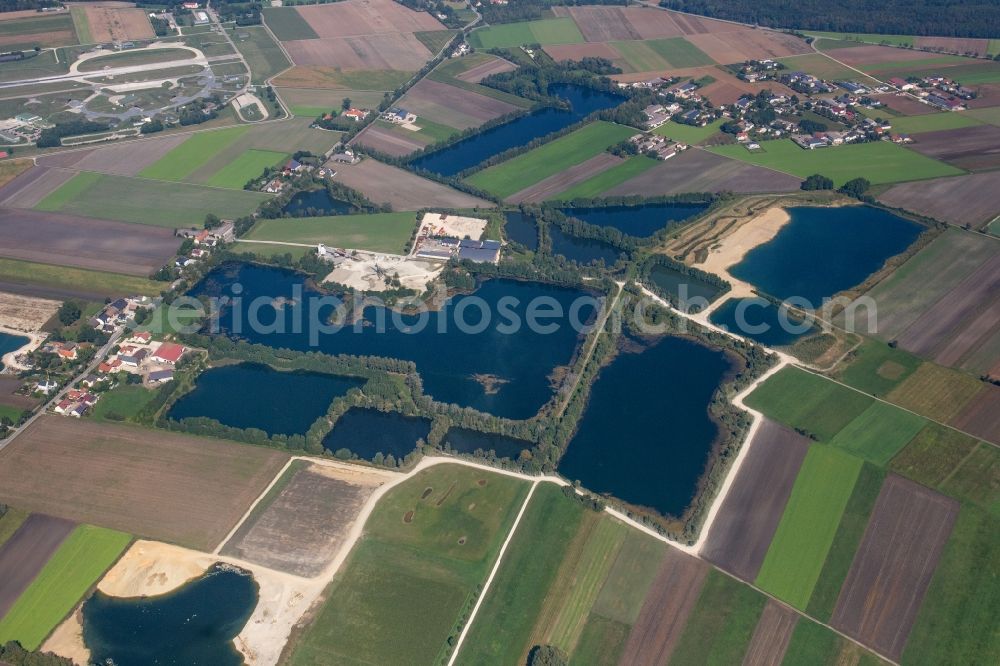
<point x="80" y="561"/>
<point x="43" y="30"/>
<point x="382" y="232"/>
<point x="435" y="40"/>
<point x="802" y="541"/>
<point x="263" y="55"/>
<point x="633" y="572"/>
<point x="879" y="162"/>
<point x="601" y="642"/>
<point x="845" y="543"/>
<point x="977" y="479"/>
<point x="10" y="521"/>
<point x="62" y="277"/>
<point x="936" y="392"/>
<point x="142" y="201"/>
<point x="81" y="25"/>
<point x="515" y="174"/>
<point x="188" y="156"/>
<point x="812" y="644"/>
<point x="504" y="625"/>
<point x="879" y="432"/>
<point x="932" y="122"/>
<point x="877" y="368"/>
<point x="964" y="593"/>
<point x="933" y="454"/>
<point x="721" y="624"/>
<point x="401" y="592"/>
<point x="287" y="24"/>
<point x="134" y="58"/>
<point x="602" y="182"/>
<point x="659" y="54"/>
<point x="246" y="167"/>
<point x="544" y="32"/>
<point x="990" y="114"/>
<point x="688" y="134"/>
<point x="123" y="402"/>
<point x="809" y="402"/>
<point x="824" y="67"/>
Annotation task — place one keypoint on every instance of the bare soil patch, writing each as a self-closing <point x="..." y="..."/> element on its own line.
<point x="32" y="186"/>
<point x="959" y="200"/>
<point x="989" y="95"/>
<point x="560" y="182"/>
<point x="455" y="107"/>
<point x="972" y="148"/>
<point x="480" y="72"/>
<point x="306" y="525"/>
<point x="405" y="191"/>
<point x="26" y="552"/>
<point x="22" y="313"/>
<point x="748" y="517"/>
<point x="365" y="17"/>
<point x="85" y="242"/>
<point x="124" y="159"/>
<point x="772" y="635"/>
<point x="157" y="484"/>
<point x="906" y="104"/>
<point x="118" y="24"/>
<point x="894" y="565"/>
<point x="399" y="51"/>
<point x="385" y="140"/>
<point x="600" y="24"/>
<point x="700" y="171"/>
<point x="8" y="385"/>
<point x="665" y="611"/>
<point x="981" y="416"/>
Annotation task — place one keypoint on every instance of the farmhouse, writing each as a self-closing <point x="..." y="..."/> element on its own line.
<point x="399" y="116"/>
<point x="168" y="353"/>
<point x="357" y="115"/>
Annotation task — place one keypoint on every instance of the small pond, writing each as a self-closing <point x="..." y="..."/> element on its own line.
<point x="464" y="440"/>
<point x="315" y="203"/>
<point x="10" y="343"/>
<point x="823" y="251"/>
<point x="683" y="287"/>
<point x="640" y="221"/>
<point x="195" y="624"/>
<point x="252" y="395"/>
<point x="582" y="250"/>
<point x="646" y="433"/>
<point x="369" y="431"/>
<point x="760" y="320"/>
<point x="521" y="228"/>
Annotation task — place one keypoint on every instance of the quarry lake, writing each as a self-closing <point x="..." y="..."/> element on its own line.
<point x="251" y="395"/>
<point x="646" y="433"/>
<point x="823" y="251"/>
<point x="581" y="250"/>
<point x="759" y="319"/>
<point x="194" y="624"/>
<point x="317" y="202"/>
<point x="639" y="221"/>
<point x="486" y="364"/>
<point x="9" y="343"/>
<point x="521" y="228"/>
<point x="367" y="432"/>
<point x="470" y="152"/>
<point x="464" y="440"/>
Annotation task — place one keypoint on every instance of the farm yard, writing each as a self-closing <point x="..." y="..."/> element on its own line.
<point x="176" y="488"/>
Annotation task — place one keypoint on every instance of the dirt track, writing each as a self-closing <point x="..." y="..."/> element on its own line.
<point x="894" y="565"/>
<point x="749" y="516"/>
<point x="772" y="635"/>
<point x="665" y="611"/>
<point x="26" y="552"/>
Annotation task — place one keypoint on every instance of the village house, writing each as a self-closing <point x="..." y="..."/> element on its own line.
<point x="357" y="115"/>
<point x="132" y="357"/>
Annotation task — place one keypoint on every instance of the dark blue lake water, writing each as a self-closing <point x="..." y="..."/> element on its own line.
<point x="464" y="440"/>
<point x="470" y="152"/>
<point x="759" y="319"/>
<point x="317" y="202"/>
<point x="684" y="288"/>
<point x="646" y="433"/>
<point x="369" y="431"/>
<point x="195" y="624"/>
<point x="582" y="250"/>
<point x="475" y="351"/>
<point x="823" y="251"/>
<point x="639" y="221"/>
<point x="522" y="229"/>
<point x="9" y="343"/>
<point x="251" y="395"/>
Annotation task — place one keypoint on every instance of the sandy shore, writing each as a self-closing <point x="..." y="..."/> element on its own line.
<point x="731" y="249"/>
<point x="35" y="340"/>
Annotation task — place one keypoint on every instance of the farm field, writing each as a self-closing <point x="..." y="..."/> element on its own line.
<point x="520" y="172"/>
<point x="879" y="432"/>
<point x="879" y="162"/>
<point x="122" y="403"/>
<point x="315" y="102"/>
<point x="24" y="552"/>
<point x="771" y="636"/>
<point x="264" y="57"/>
<point x="391" y="140"/>
<point x="176" y="488"/>
<point x="183" y="159"/>
<point x="823" y="67"/>
<point x="246" y="167"/>
<point x="84" y="242"/>
<point x="933" y="122"/>
<point x="123" y="159"/>
<point x="403" y="190"/>
<point x="688" y="134"/>
<point x="721" y="623"/>
<point x="78" y="563"/>
<point x="381" y="232"/>
<point x="554" y="185"/>
<point x="802" y="541"/>
<point x="41" y="30"/>
<point x="933" y="455"/>
<point x="739" y="539"/>
<point x="544" y="31"/>
<point x="65" y="282"/>
<point x="10" y="521"/>
<point x="616" y="175"/>
<point x="939" y="393"/>
<point x="452" y="106"/>
<point x="335" y="78"/>
<point x="109" y="23"/>
<point x="877" y="368"/>
<point x="973" y="148"/>
<point x="143" y="201"/>
<point x="957" y="199"/>
<point x="414" y="571"/>
<point x="980" y="415"/>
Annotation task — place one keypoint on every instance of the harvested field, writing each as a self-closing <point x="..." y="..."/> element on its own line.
<point x="124" y="159"/>
<point x="971" y="148"/>
<point x="8" y="385"/>
<point x="32" y="186"/>
<point x="396" y="51"/>
<point x="772" y="635"/>
<point x="961" y="45"/>
<point x="602" y="24"/>
<point x="333" y="78"/>
<point x="24" y="555"/>
<point x="403" y="190"/>
<point x="564" y="180"/>
<point x="746" y="522"/>
<point x="452" y="106"/>
<point x="894" y="565"/>
<point x="118" y="24"/>
<point x="303" y="528"/>
<point x="734" y="47"/>
<point x="701" y="171"/>
<point x="936" y="392"/>
<point x="84" y="242"/>
<point x="389" y="141"/>
<point x="365" y="17"/>
<point x="481" y="71"/>
<point x="665" y="611"/>
<point x="906" y="105"/>
<point x="586" y="50"/>
<point x="981" y="416"/>
<point x="958" y="200"/>
<point x="859" y="56"/>
<point x="162" y="485"/>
